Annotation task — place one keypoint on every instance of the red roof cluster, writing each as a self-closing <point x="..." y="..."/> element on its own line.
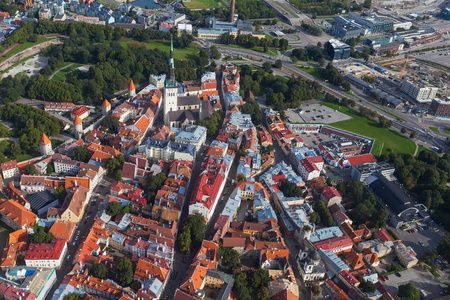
<point x="80" y="111"/>
<point x="361" y="159"/>
<point x="51" y="251"/>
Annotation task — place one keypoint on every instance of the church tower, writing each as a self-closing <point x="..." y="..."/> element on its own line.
<point x="170" y="89"/>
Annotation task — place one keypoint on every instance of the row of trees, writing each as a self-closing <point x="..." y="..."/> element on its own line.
<point x="312" y="29"/>
<point x="309" y="53"/>
<point x="279" y="92"/>
<point x="325" y="216"/>
<point x="213" y="124"/>
<point x="192" y="231"/>
<point x="254" y="9"/>
<point x="112" y="65"/>
<point x="153" y="184"/>
<point x="290" y="189"/>
<point x="114" y="166"/>
<point x="334" y="77"/>
<point x="250" y="41"/>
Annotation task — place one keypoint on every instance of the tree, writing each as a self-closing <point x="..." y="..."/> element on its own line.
<point x="403" y="130"/>
<point x="443" y="249"/>
<point x="413" y="135"/>
<point x="322" y="61"/>
<point x="367" y="286"/>
<point x="114" y="208"/>
<point x="215" y="52"/>
<point x="259" y="278"/>
<point x="60" y="193"/>
<point x="196" y="226"/>
<point x="40" y="235"/>
<point x="50" y="169"/>
<point x="324" y="213"/>
<point x="367" y="4"/>
<point x="319" y="44"/>
<point x="278" y="64"/>
<point x="346" y="86"/>
<point x="408" y="292"/>
<point x="73" y="296"/>
<point x="315" y="289"/>
<point x="379" y="218"/>
<point x="111" y="123"/>
<point x="124" y="271"/>
<point x="14" y="150"/>
<point x="263" y="293"/>
<point x="240" y="177"/>
<point x="79" y="153"/>
<point x="267" y="67"/>
<point x="184" y="240"/>
<point x="230" y="259"/>
<point x="30" y="170"/>
<point x="290" y="189"/>
<point x="98" y="270"/>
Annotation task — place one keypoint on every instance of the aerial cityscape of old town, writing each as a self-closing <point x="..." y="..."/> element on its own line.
<point x="224" y="149"/>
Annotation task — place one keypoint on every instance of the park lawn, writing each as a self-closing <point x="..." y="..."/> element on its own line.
<point x="24" y="46"/>
<point x="62" y="75"/>
<point x="181" y="54"/>
<point x="23" y="157"/>
<point x="311" y="71"/>
<point x="202" y="4"/>
<point x="385" y="138"/>
<point x="435" y="129"/>
<point x="271" y="51"/>
<point x="447" y="131"/>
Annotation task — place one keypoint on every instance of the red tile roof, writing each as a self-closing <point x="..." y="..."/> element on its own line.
<point x="79" y="111"/>
<point x="330" y="192"/>
<point x="9" y="165"/>
<point x="336" y="245"/>
<point x="51" y="251"/>
<point x="383" y="236"/>
<point x="361" y="159"/>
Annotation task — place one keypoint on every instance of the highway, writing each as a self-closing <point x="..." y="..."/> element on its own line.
<point x="411" y="123"/>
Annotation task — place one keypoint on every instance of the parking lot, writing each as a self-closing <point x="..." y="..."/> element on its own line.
<point x="31" y="67"/>
<point x="421" y="279"/>
<point x="313" y="140"/>
<point x="428" y="237"/>
<point x="441" y="56"/>
<point x="315" y="113"/>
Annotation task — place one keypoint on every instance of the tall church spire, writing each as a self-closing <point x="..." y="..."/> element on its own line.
<point x="171" y="82"/>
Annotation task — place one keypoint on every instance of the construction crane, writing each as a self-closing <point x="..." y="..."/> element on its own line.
<point x="406" y="60"/>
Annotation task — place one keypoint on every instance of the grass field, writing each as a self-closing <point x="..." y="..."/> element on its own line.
<point x="202" y="4"/>
<point x="186" y="53"/>
<point x="63" y="74"/>
<point x="24" y="46"/>
<point x="447" y="131"/>
<point x="271" y="51"/>
<point x="435" y="129"/>
<point x="385" y="139"/>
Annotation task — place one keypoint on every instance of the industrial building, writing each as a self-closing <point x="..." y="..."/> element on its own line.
<point x="384" y="45"/>
<point x="346" y="29"/>
<point x="418" y="90"/>
<point x="374" y="23"/>
<point x="417" y="37"/>
<point x="215" y="29"/>
<point x="337" y="49"/>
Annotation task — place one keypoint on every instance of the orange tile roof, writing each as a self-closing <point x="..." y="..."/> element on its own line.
<point x="10" y="253"/>
<point x="106" y="103"/>
<point x="44" y="140"/>
<point x="20" y="235"/>
<point x="146" y="270"/>
<point x="77" y="120"/>
<point x="194" y="279"/>
<point x="62" y="229"/>
<point x="17" y="213"/>
<point x="71" y="182"/>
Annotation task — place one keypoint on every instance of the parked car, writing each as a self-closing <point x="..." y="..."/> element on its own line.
<point x="398" y="274"/>
<point x="384" y="278"/>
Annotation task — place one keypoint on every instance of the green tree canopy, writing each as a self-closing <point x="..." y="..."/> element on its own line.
<point x="408" y="292"/>
<point x="230" y="259"/>
<point x="98" y="270"/>
<point x="79" y="153"/>
<point x="114" y="208"/>
<point x="124" y="271"/>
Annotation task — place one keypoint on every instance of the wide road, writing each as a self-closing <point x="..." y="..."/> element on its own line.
<point x="411" y="123"/>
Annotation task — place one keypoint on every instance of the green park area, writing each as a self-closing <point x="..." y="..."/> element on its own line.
<point x="202" y="4"/>
<point x="65" y="73"/>
<point x="181" y="54"/>
<point x="385" y="138"/>
<point x="435" y="129"/>
<point x="447" y="131"/>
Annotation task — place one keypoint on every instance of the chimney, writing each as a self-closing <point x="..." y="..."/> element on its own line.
<point x="232" y="11"/>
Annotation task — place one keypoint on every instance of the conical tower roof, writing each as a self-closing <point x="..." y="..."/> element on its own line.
<point x="106" y="103"/>
<point x="77" y="120"/>
<point x="131" y="87"/>
<point x="44" y="140"/>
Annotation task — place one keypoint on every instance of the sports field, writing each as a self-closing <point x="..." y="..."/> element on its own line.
<point x="202" y="4"/>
